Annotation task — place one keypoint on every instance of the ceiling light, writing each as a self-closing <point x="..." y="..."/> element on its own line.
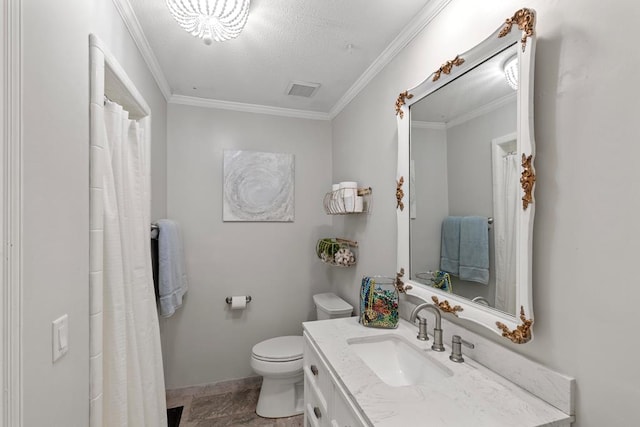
<point x="511" y="72"/>
<point x="209" y="20"/>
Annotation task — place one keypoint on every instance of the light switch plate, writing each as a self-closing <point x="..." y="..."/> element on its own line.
<point x="60" y="337"/>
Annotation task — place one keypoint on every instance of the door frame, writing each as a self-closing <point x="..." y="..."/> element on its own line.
<point x="11" y="214"/>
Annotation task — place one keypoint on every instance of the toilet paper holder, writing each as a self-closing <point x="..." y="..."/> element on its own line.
<point x="228" y="299"/>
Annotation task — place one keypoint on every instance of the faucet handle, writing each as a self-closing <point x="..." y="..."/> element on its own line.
<point x="437" y="340"/>
<point x="456" y="339"/>
<point x="422" y="329"/>
<point x="456" y="348"/>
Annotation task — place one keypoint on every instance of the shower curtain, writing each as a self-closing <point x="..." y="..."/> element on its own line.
<point x="134" y="393"/>
<point x="506" y="205"/>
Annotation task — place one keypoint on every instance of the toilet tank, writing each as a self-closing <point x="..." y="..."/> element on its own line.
<point x="331" y="306"/>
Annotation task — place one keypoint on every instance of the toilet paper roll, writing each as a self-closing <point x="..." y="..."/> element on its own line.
<point x="238" y="302"/>
<point x="349" y="192"/>
<point x="349" y="204"/>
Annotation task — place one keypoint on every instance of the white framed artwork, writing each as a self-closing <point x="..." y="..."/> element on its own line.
<point x="258" y="186"/>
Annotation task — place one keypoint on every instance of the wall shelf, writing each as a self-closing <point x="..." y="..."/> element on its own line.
<point x="343" y="202"/>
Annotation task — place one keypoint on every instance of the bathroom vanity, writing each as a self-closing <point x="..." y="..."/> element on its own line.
<point x="351" y="379"/>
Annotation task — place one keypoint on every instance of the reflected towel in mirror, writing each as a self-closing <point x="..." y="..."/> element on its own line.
<point x="450" y="245"/>
<point x="474" y="249"/>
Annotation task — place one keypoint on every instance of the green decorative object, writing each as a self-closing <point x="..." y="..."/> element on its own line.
<point x="337" y="252"/>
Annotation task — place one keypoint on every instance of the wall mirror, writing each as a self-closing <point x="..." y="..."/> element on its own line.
<point x="465" y="182"/>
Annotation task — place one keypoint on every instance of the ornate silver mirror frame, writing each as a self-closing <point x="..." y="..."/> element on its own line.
<point x="518" y="29"/>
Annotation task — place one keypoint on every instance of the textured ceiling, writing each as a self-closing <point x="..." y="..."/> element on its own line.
<point x="331" y="42"/>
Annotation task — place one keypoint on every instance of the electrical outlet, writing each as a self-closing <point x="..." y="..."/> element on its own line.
<point x="60" y="337"/>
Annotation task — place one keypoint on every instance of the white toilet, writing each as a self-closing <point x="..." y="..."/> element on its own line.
<point x="279" y="361"/>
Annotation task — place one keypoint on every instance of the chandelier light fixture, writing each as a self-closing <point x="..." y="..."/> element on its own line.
<point x="511" y="72"/>
<point x="210" y="20"/>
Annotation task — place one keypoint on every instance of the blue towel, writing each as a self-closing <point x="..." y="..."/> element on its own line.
<point x="474" y="249"/>
<point x="171" y="270"/>
<point x="450" y="245"/>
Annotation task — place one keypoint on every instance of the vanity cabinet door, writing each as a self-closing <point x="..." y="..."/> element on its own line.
<point x="326" y="404"/>
<point x="318" y="389"/>
<point x="316" y="371"/>
<point x="343" y="415"/>
<point x="315" y="408"/>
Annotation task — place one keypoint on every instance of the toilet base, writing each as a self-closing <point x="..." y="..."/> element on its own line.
<point x="281" y="397"/>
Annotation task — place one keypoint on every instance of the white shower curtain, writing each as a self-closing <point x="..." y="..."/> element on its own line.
<point x="506" y="205"/>
<point x="134" y="393"/>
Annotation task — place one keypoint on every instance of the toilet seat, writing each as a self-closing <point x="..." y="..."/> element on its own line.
<point x="279" y="349"/>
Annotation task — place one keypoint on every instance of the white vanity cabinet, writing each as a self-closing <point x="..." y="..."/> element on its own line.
<point x="325" y="401"/>
<point x="345" y="388"/>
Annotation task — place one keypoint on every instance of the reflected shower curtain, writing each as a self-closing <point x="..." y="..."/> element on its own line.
<point x="506" y="206"/>
<point x="134" y="393"/>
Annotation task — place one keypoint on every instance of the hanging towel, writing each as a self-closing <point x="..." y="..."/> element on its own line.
<point x="171" y="271"/>
<point x="450" y="245"/>
<point x="474" y="249"/>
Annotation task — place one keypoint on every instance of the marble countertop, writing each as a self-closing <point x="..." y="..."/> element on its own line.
<point x="473" y="395"/>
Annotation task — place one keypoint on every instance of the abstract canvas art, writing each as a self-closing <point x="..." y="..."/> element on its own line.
<point x="258" y="186"/>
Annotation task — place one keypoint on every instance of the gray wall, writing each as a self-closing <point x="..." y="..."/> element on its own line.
<point x="429" y="152"/>
<point x="587" y="197"/>
<point x="469" y="160"/>
<point x="55" y="209"/>
<point x="275" y="263"/>
<point x="56" y="194"/>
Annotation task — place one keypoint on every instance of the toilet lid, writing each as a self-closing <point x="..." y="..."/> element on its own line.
<point x="279" y="349"/>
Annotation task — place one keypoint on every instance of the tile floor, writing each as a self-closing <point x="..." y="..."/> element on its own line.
<point x="227" y="404"/>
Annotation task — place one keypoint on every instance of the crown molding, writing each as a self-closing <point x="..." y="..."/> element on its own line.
<point x="135" y="29"/>
<point x="11" y="190"/>
<point x="247" y="108"/>
<point x="424" y="17"/>
<point x="480" y="111"/>
<point x="428" y="125"/>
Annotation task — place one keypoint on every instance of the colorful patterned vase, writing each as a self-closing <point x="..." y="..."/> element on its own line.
<point x="379" y="302"/>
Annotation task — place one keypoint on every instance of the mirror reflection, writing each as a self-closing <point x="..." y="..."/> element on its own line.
<point x="464" y="189"/>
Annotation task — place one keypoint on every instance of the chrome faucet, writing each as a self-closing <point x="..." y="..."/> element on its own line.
<point x="422" y="325"/>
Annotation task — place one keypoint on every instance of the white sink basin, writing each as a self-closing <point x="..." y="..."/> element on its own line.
<point x="396" y="362"/>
